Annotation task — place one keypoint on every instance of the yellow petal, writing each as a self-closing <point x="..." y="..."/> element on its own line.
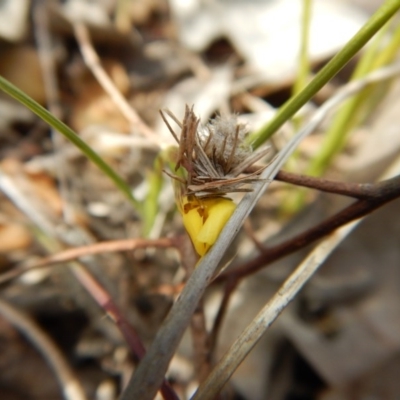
<point x="219" y="211"/>
<point x="193" y="223"/>
<point x="204" y="220"/>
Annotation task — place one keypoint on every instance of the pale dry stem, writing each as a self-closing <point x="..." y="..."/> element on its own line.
<point x="93" y="63"/>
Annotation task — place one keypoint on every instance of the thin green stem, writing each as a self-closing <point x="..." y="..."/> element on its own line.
<point x="59" y="126"/>
<point x="374" y="24"/>
<point x="303" y="76"/>
<point x="348" y="116"/>
<point x="303" y="72"/>
<point x="373" y="95"/>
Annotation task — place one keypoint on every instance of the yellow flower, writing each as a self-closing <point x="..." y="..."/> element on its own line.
<point x="204" y="219"/>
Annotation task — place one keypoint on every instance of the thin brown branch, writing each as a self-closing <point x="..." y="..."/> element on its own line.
<point x="201" y="343"/>
<point x="230" y="287"/>
<point x="250" y="233"/>
<point x="97" y="248"/>
<point x="356" y="190"/>
<point x="105" y="301"/>
<point x="290" y="288"/>
<point x="379" y="194"/>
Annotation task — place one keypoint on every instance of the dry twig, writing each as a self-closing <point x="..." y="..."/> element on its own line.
<point x="254" y="331"/>
<point x="105" y="301"/>
<point x="83" y="251"/>
<point x="372" y="196"/>
<point x="93" y="62"/>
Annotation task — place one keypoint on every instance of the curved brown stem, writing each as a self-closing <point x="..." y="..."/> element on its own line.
<point x="356" y="190"/>
<point x="230" y="287"/>
<point x="378" y="195"/>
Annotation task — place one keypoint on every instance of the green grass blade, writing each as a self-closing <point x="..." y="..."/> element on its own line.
<point x="348" y="115"/>
<point x="303" y="72"/>
<point x="59" y="126"/>
<point x="373" y="25"/>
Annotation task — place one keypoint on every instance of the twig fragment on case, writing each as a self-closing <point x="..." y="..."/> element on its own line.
<point x="215" y="156"/>
<point x="214" y="159"/>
